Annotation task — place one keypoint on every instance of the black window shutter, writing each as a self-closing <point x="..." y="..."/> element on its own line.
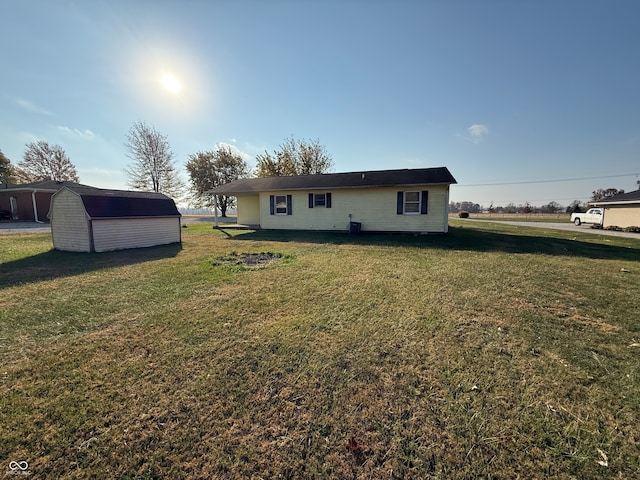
<point x="400" y="206"/>
<point x="272" y="204"/>
<point x="328" y="202"/>
<point x="424" y="201"/>
<point x="289" y="212"/>
<point x="311" y="200"/>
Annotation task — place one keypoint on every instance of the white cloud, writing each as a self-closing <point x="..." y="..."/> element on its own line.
<point x="87" y="134"/>
<point x="245" y="156"/>
<point x="476" y="132"/>
<point x="32" y="107"/>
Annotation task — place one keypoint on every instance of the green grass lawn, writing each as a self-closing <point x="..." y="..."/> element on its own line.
<point x="493" y="352"/>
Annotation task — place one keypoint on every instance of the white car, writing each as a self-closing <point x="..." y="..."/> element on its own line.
<point x="593" y="216"/>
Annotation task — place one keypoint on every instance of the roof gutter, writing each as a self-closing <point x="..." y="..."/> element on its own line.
<point x="323" y="188"/>
<point x="605" y="204"/>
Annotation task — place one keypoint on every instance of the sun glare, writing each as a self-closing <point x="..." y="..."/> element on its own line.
<point x="171" y="83"/>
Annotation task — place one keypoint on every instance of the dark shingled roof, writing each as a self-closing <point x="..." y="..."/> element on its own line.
<point x="101" y="203"/>
<point x="629" y="197"/>
<point x="376" y="178"/>
<point x="49" y="185"/>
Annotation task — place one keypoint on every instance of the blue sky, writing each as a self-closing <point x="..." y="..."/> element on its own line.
<point x="519" y="99"/>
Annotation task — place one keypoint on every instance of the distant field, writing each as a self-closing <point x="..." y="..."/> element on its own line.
<point x="520" y="217"/>
<point x="493" y="352"/>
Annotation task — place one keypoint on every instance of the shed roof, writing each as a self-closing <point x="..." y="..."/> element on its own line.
<point x="42" y="185"/>
<point x="374" y="178"/>
<point x="103" y="203"/>
<point x="623" y="198"/>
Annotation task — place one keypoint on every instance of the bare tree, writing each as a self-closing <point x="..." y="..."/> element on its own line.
<point x="153" y="168"/>
<point x="42" y="161"/>
<point x="295" y="157"/>
<point x="210" y="169"/>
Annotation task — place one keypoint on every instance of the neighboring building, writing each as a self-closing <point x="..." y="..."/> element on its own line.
<point x="620" y="210"/>
<point x="409" y="200"/>
<point x="29" y="201"/>
<point x="87" y="219"/>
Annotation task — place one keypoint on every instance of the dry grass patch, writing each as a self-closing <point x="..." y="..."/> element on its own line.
<point x="486" y="354"/>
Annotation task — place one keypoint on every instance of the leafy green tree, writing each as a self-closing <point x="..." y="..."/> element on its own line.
<point x="210" y="169"/>
<point x="153" y="168"/>
<point x="42" y="161"/>
<point x="6" y="170"/>
<point x="604" y="193"/>
<point x="294" y="157"/>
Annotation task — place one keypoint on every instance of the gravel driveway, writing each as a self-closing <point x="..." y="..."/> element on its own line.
<point x="7" y="228"/>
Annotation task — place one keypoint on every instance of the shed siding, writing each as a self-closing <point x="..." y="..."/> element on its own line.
<point x="622" y="216"/>
<point x="375" y="208"/>
<point x="69" y="224"/>
<point x="121" y="233"/>
<point x="248" y="210"/>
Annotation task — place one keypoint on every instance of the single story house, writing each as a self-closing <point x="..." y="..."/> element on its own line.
<point x="408" y="200"/>
<point x="29" y="201"/>
<point x="88" y="219"/>
<point x="620" y="210"/>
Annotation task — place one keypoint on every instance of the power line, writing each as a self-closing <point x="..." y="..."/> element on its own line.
<point x="545" y="181"/>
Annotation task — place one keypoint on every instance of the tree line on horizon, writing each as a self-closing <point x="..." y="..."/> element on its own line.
<point x="153" y="168"/>
<point x="551" y="207"/>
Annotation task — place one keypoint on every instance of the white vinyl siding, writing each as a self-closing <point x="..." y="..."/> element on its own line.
<point x="248" y="207"/>
<point x="375" y="208"/>
<point x="121" y="233"/>
<point x="69" y="223"/>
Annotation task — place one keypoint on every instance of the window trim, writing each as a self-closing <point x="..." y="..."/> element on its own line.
<point x="313" y="203"/>
<point x="273" y="209"/>
<point x="417" y="203"/>
<point x="422" y="202"/>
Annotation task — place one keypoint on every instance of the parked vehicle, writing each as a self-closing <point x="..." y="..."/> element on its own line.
<point x="5" y="215"/>
<point x="593" y="216"/>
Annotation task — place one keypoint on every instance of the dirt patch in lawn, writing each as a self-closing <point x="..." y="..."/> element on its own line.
<point x="249" y="259"/>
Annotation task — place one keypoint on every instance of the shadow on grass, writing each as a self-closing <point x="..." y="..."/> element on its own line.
<point x="466" y="239"/>
<point x="56" y="264"/>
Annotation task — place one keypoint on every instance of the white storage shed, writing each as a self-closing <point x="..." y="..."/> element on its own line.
<point x="88" y="219"/>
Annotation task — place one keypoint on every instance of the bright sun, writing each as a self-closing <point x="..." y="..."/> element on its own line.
<point x="171" y="83"/>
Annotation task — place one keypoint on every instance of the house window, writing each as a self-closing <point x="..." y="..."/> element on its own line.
<point x="320" y="200"/>
<point x="412" y="202"/>
<point x="280" y="204"/>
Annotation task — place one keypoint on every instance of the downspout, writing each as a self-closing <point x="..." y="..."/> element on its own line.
<point x="446" y="210"/>
<point x="215" y="211"/>
<point x="35" y="206"/>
